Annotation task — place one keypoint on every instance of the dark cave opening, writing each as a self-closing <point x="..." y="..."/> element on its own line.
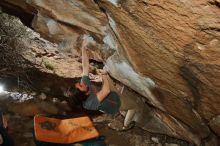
<point x="25" y="17"/>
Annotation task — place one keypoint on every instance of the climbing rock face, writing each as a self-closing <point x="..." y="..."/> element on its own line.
<point x="167" y="51"/>
<point x="64" y="21"/>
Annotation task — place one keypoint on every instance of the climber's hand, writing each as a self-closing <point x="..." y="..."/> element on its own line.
<point x="103" y="72"/>
<point x="5" y="122"/>
<point x="104" y="78"/>
<point x="84" y="44"/>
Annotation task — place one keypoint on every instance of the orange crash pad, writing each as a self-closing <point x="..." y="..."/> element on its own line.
<point x="64" y="131"/>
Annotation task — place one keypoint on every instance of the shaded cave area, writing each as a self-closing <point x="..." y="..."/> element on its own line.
<point x="25" y="17"/>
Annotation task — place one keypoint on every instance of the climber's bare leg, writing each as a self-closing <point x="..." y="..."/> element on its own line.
<point x="129" y="117"/>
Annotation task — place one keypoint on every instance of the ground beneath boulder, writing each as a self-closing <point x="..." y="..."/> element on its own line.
<point x="20" y="119"/>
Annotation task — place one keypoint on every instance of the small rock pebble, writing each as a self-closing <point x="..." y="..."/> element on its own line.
<point x="42" y="96"/>
<point x="55" y="100"/>
<point x="20" y="97"/>
<point x="33" y="93"/>
<point x="154" y="139"/>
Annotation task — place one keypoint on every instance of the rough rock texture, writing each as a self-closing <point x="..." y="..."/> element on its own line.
<point x="175" y="43"/>
<point x="167" y="51"/>
<point x="215" y="124"/>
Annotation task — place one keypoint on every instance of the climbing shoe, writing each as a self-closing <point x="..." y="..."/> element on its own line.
<point x="130" y="126"/>
<point x="118" y="126"/>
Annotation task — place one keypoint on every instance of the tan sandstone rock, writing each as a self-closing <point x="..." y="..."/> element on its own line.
<point x="167" y="51"/>
<point x="215" y="124"/>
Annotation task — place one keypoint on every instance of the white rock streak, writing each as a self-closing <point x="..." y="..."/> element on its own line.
<point x="109" y="41"/>
<point x="121" y="70"/>
<point x="52" y="26"/>
<point x="112" y="23"/>
<point x="114" y="2"/>
<point x="125" y="74"/>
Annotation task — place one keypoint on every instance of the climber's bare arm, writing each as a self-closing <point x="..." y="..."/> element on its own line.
<point x="85" y="59"/>
<point x="1" y="139"/>
<point x="103" y="93"/>
<point x="5" y="124"/>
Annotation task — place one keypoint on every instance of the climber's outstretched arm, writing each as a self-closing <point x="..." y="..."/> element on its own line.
<point x="85" y="59"/>
<point x="103" y="93"/>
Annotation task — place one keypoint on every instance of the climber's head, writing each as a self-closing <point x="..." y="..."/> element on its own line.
<point x="77" y="94"/>
<point x="81" y="87"/>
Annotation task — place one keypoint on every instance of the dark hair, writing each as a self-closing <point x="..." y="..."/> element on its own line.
<point x="77" y="96"/>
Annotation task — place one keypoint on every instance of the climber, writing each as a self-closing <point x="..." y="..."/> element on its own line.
<point x="5" y="139"/>
<point x="104" y="99"/>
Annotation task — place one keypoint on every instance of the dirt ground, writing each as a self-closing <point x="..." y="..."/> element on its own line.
<point x="20" y="120"/>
